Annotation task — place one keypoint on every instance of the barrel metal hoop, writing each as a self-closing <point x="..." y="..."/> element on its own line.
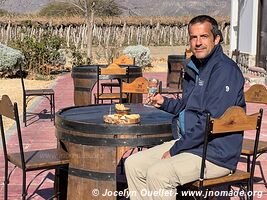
<point x="98" y="176"/>
<point x="110" y="130"/>
<point x="114" y="142"/>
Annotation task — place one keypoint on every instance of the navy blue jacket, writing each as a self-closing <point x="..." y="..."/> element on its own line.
<point x="217" y="85"/>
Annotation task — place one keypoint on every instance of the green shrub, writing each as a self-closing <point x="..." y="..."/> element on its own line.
<point x="10" y="61"/>
<point x="140" y="53"/>
<point x="41" y="51"/>
<point x="9" y="57"/>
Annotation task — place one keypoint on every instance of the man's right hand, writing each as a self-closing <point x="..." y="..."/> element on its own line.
<point x="155" y="100"/>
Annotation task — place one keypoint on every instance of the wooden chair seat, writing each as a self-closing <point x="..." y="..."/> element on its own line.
<point x="231" y="178"/>
<point x="248" y="147"/>
<point x="40" y="159"/>
<point x="108" y="96"/>
<point x="39" y="92"/>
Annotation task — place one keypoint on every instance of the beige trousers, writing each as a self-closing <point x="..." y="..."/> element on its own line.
<point x="151" y="178"/>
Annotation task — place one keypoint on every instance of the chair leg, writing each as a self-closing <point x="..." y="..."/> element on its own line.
<point x="56" y="184"/>
<point x="51" y="106"/>
<point x="251" y="189"/>
<point x="248" y="189"/>
<point x="248" y="163"/>
<point x="24" y="192"/>
<point x="61" y="174"/>
<point x="54" y="109"/>
<point x="96" y="100"/>
<point x="6" y="181"/>
<point x="24" y="110"/>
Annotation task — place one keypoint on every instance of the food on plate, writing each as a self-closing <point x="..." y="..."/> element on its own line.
<point x="122" y="119"/>
<point x="132" y="116"/>
<point x="120" y="106"/>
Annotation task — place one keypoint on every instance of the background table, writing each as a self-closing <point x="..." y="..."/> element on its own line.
<point x="95" y="147"/>
<point x="84" y="79"/>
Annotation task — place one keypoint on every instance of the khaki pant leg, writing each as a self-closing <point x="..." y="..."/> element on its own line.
<point x="150" y="177"/>
<point x="167" y="174"/>
<point x="136" y="167"/>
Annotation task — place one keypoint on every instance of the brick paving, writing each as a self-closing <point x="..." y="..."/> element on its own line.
<point x="40" y="134"/>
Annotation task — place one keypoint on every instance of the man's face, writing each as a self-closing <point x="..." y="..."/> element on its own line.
<point x="201" y="39"/>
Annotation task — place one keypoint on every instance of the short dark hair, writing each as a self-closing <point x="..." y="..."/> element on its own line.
<point x="205" y="18"/>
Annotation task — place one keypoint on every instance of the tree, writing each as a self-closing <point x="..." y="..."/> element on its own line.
<point x="59" y="9"/>
<point x="3" y="12"/>
<point x="89" y="8"/>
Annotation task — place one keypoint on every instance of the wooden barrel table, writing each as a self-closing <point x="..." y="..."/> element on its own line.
<point x="84" y="79"/>
<point x="95" y="147"/>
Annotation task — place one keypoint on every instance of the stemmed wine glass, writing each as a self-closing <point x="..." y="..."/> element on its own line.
<point x="153" y="85"/>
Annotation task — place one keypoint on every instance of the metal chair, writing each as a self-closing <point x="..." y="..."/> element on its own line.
<point x="122" y="60"/>
<point x="255" y="94"/>
<point x="27" y="161"/>
<point x="47" y="93"/>
<point x="176" y="64"/>
<point x="233" y="121"/>
<point x="113" y="71"/>
<point x="138" y="86"/>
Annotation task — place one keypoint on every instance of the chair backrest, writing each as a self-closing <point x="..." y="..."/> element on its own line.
<point x="176" y="65"/>
<point x="7" y="109"/>
<point x="113" y="69"/>
<point x="124" y="60"/>
<point x="133" y="89"/>
<point x="138" y="86"/>
<point x="256" y="94"/>
<point x="232" y="121"/>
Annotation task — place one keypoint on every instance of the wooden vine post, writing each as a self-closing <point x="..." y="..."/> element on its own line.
<point x="90" y="26"/>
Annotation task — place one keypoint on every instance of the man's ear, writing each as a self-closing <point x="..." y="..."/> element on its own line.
<point x="217" y="39"/>
<point x="220" y="36"/>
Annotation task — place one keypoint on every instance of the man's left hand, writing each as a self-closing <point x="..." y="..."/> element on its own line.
<point x="166" y="155"/>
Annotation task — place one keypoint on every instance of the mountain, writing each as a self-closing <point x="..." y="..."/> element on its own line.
<point x="176" y="7"/>
<point x="24" y="6"/>
<point x="141" y="7"/>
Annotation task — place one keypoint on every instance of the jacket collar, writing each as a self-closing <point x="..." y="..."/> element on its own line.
<point x="193" y="67"/>
<point x="217" y="49"/>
